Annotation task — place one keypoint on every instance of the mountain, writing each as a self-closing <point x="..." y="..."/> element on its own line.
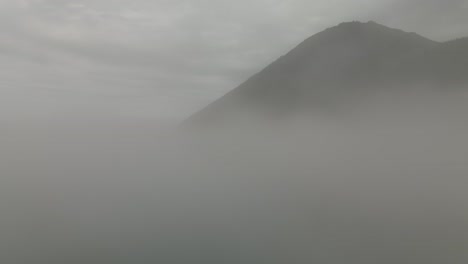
<point x="351" y="59"/>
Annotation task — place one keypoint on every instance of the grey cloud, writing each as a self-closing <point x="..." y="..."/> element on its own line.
<point x="439" y="20"/>
<point x="189" y="51"/>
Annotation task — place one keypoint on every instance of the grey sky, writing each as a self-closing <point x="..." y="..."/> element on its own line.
<point x="165" y="59"/>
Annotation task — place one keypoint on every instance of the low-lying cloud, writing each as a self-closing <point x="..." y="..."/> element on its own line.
<point x="383" y="183"/>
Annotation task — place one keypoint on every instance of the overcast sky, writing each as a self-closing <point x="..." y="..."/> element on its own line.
<point x="164" y="59"/>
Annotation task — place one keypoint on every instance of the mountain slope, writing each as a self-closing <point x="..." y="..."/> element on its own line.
<point x="350" y="59"/>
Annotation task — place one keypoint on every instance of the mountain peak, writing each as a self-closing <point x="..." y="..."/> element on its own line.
<point x="369" y="27"/>
<point x="357" y="23"/>
<point x="350" y="58"/>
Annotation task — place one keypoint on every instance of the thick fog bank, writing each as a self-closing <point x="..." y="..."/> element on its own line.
<point x="384" y="183"/>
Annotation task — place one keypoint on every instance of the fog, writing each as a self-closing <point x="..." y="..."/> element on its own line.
<point x="380" y="182"/>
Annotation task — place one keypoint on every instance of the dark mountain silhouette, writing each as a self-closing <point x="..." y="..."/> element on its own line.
<point x="351" y="59"/>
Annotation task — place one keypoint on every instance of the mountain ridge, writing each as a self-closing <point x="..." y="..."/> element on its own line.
<point x="352" y="57"/>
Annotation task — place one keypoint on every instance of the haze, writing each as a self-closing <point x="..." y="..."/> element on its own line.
<point x="102" y="160"/>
